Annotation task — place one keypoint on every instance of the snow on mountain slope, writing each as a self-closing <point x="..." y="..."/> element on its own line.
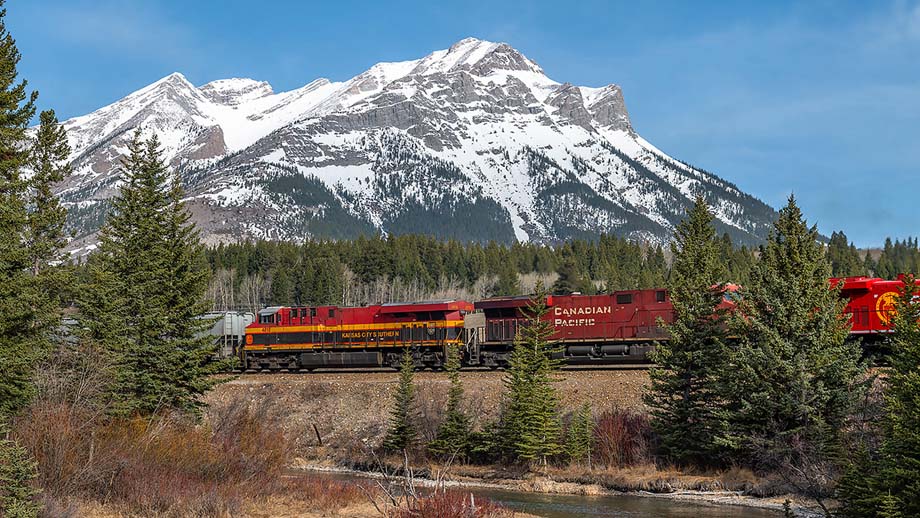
<point x="473" y="142"/>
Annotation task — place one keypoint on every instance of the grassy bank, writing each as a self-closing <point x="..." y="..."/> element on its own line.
<point x="337" y="420"/>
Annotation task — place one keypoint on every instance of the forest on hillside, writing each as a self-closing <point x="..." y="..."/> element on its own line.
<point x="251" y="275"/>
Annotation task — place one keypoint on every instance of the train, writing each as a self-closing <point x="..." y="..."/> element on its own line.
<point x="613" y="328"/>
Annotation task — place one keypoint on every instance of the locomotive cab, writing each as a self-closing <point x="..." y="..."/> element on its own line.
<point x="270" y="316"/>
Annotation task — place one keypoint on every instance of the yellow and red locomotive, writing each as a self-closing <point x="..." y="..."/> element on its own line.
<point x="367" y="336"/>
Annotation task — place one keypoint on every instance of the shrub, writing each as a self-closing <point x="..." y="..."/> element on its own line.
<point x="623" y="438"/>
<point x="453" y="504"/>
<point x="167" y="466"/>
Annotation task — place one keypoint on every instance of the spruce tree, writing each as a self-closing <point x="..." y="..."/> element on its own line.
<point x="580" y="440"/>
<point x="891" y="482"/>
<point x="792" y="381"/>
<point x="45" y="236"/>
<point x="570" y="278"/>
<point x="844" y="257"/>
<point x="684" y="397"/>
<point x="146" y="291"/>
<point x="49" y="162"/>
<point x="508" y="283"/>
<point x="454" y="433"/>
<point x="531" y="422"/>
<point x="401" y="432"/>
<point x="20" y="295"/>
<point x="17" y="473"/>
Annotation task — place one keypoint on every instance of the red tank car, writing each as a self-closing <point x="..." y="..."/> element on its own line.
<point x="369" y="336"/>
<point x="870" y="303"/>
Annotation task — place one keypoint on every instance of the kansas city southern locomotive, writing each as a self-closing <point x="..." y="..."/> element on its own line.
<point x="619" y="327"/>
<point x="368" y="336"/>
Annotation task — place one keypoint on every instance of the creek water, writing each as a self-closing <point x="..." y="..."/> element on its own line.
<point x="615" y="506"/>
<point x="608" y="506"/>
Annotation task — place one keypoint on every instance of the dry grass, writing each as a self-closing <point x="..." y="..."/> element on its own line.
<point x="452" y="504"/>
<point x="166" y="466"/>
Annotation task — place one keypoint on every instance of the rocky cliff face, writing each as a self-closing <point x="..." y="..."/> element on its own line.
<point x="474" y="142"/>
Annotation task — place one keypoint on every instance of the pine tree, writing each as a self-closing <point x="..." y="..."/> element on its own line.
<point x="844" y="257"/>
<point x="791" y="383"/>
<point x="531" y="422"/>
<point x="20" y="295"/>
<point x="45" y="236"/>
<point x="570" y="278"/>
<point x="146" y="291"/>
<point x="454" y="433"/>
<point x="891" y="507"/>
<point x="49" y="161"/>
<point x="580" y="440"/>
<point x="898" y="476"/>
<point x="17" y="473"/>
<point x="401" y="433"/>
<point x="508" y="283"/>
<point x="684" y="397"/>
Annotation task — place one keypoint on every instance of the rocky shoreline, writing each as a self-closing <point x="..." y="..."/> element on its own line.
<point x="547" y="485"/>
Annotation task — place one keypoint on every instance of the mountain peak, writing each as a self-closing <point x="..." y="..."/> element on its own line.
<point x="472" y="142"/>
<point x="466" y="42"/>
<point x="236" y="91"/>
<point x="480" y="57"/>
<point x="174" y="78"/>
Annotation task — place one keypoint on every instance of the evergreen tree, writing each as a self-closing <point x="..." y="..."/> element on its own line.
<point x="454" y="433"/>
<point x="146" y="291"/>
<point x="401" y="432"/>
<point x="580" y="440"/>
<point x="791" y="383"/>
<point x="889" y="484"/>
<point x="571" y="279"/>
<point x="900" y="473"/>
<point x="508" y="282"/>
<point x="17" y="473"/>
<point x="20" y="295"/>
<point x="684" y="397"/>
<point x="531" y="421"/>
<point x="49" y="161"/>
<point x="844" y="257"/>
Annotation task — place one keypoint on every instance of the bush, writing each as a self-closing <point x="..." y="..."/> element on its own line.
<point x="623" y="438"/>
<point x="167" y="465"/>
<point x="453" y="504"/>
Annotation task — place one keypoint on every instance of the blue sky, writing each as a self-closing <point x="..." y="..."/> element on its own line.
<point x="817" y="98"/>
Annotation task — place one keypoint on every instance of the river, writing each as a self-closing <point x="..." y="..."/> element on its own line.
<point x="615" y="506"/>
<point x="610" y="506"/>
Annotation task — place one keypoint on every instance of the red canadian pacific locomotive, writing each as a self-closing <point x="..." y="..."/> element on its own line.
<point x="619" y="327"/>
<point x="870" y="304"/>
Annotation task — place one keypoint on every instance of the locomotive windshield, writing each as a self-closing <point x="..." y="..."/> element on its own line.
<point x="269" y="316"/>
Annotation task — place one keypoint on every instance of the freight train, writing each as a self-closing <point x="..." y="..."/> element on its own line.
<point x="618" y="327"/>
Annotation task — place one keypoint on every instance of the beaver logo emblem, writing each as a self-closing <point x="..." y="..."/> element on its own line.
<point x="885" y="307"/>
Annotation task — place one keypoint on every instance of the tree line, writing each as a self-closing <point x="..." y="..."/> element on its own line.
<point x="414" y="267"/>
<point x="367" y="270"/>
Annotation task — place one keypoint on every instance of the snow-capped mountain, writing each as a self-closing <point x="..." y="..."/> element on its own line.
<point x="474" y="142"/>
